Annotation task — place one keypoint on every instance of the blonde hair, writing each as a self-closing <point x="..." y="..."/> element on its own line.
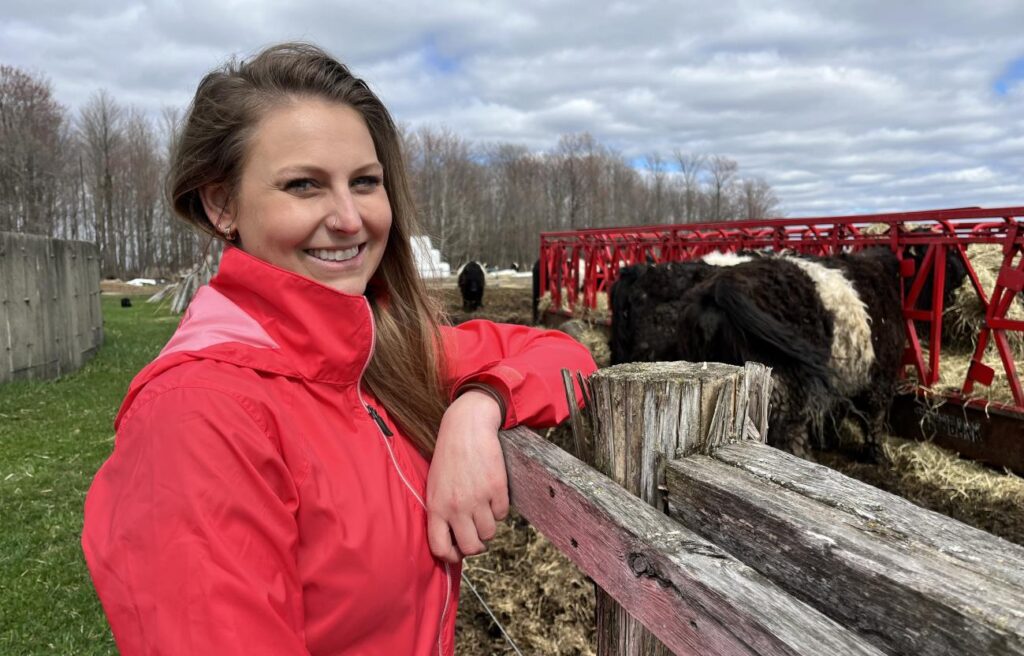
<point x="406" y="373"/>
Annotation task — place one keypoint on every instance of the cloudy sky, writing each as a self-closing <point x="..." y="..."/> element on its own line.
<point x="844" y="106"/>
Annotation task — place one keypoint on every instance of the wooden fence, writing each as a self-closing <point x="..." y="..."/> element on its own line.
<point x="705" y="541"/>
<point x="50" y="316"/>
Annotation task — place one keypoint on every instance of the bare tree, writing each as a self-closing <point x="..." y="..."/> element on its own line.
<point x="723" y="173"/>
<point x="447" y="182"/>
<point x="691" y="166"/>
<point x="516" y="198"/>
<point x="33" y="135"/>
<point x="102" y="141"/>
<point x="141" y="177"/>
<point x="179" y="246"/>
<point x="757" y="199"/>
<point x="657" y="188"/>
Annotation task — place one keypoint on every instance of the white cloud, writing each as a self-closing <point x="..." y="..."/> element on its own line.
<point x="842" y="106"/>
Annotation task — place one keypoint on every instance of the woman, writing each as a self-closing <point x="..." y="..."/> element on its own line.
<point x="302" y="467"/>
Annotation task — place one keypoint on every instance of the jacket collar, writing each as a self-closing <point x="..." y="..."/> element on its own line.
<point x="324" y="334"/>
<point x="256" y="315"/>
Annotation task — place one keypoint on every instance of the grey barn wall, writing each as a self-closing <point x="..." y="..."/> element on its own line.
<point x="51" y="322"/>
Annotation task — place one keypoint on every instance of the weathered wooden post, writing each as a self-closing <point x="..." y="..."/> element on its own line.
<point x="642" y="415"/>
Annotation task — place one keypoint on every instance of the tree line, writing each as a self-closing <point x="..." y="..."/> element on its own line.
<point x="97" y="175"/>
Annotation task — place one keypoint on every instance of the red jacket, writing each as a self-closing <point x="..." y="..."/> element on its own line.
<point x="253" y="506"/>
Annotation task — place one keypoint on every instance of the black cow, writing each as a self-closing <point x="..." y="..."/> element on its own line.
<point x="645" y="303"/>
<point x="831" y="329"/>
<point x="471" y="284"/>
<point x="652" y="295"/>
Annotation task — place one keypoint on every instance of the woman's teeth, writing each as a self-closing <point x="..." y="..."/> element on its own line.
<point x="333" y="255"/>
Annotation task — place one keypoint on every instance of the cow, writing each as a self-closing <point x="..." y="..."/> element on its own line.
<point x="644" y="301"/>
<point x="830" y="328"/>
<point x="471" y="285"/>
<point x="647" y="292"/>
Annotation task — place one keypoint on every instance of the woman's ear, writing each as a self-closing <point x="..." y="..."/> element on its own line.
<point x="218" y="206"/>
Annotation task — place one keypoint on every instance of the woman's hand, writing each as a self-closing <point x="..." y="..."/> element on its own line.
<point x="467" y="488"/>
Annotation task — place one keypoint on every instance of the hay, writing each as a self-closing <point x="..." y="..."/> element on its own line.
<point x="963" y="320"/>
<point x="875" y="229"/>
<point x="594" y="339"/>
<point x="599" y="313"/>
<point x="544" y="602"/>
<point x="597" y="342"/>
<point x="939" y="480"/>
<point x="543" y="303"/>
<point x="953" y="370"/>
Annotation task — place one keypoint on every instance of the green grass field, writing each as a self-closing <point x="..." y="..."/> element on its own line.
<point x="53" y="437"/>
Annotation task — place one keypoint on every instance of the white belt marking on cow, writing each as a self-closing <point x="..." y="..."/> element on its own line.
<point x="717" y="258"/>
<point x="852" y="352"/>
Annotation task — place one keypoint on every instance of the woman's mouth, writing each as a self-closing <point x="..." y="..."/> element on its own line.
<point x="334" y="254"/>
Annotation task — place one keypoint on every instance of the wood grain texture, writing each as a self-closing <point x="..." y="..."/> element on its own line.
<point x="911" y="581"/>
<point x="50" y="315"/>
<point x="650" y="411"/>
<point x="692" y="595"/>
<point x="972" y="548"/>
<point x="647" y="413"/>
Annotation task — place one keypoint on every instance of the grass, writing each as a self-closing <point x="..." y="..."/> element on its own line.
<point x="54" y="435"/>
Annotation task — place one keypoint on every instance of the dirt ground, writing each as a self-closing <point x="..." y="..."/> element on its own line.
<point x="546" y="605"/>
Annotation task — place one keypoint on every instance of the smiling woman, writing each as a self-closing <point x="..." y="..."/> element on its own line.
<point x="311" y="198"/>
<point x="302" y="468"/>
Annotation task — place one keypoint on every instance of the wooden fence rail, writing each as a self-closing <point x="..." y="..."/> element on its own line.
<point x="696" y="598"/>
<point x="706" y="541"/>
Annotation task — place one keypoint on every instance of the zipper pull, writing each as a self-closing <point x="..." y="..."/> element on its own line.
<point x="380" y="421"/>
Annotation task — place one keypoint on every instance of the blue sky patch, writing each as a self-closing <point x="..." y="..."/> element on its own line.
<point x="667" y="165"/>
<point x="1011" y="77"/>
<point x="438" y="61"/>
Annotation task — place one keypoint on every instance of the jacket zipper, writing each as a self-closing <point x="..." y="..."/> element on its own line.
<point x="386" y="433"/>
<point x="380" y="421"/>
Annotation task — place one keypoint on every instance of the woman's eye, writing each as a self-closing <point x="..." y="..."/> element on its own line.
<point x="367" y="182"/>
<point x="300" y="184"/>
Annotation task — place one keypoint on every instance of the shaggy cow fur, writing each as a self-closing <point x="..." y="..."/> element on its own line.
<point x="831" y="329"/>
<point x="646" y="305"/>
<point x="769" y="311"/>
<point x="652" y="293"/>
<point x="852" y="352"/>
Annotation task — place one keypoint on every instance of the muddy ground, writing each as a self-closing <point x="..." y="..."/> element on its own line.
<point x="546" y="605"/>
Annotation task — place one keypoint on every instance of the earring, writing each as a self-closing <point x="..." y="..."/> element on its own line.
<point x="229" y="234"/>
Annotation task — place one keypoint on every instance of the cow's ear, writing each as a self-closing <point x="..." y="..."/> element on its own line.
<point x="218" y="205"/>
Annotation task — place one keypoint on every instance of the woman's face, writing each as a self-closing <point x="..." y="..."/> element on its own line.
<point x="311" y="197"/>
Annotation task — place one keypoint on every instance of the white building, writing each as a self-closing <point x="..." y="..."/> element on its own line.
<point x="428" y="259"/>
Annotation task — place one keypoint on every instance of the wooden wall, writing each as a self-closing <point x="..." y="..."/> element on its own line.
<point x="50" y="317"/>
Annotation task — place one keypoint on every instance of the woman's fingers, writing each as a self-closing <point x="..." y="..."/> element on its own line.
<point x="469" y="535"/>
<point x="499" y="504"/>
<point x="466" y="536"/>
<point x="439" y="536"/>
<point x="486" y="528"/>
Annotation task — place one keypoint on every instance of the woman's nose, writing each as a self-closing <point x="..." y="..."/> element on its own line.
<point x="344" y="216"/>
